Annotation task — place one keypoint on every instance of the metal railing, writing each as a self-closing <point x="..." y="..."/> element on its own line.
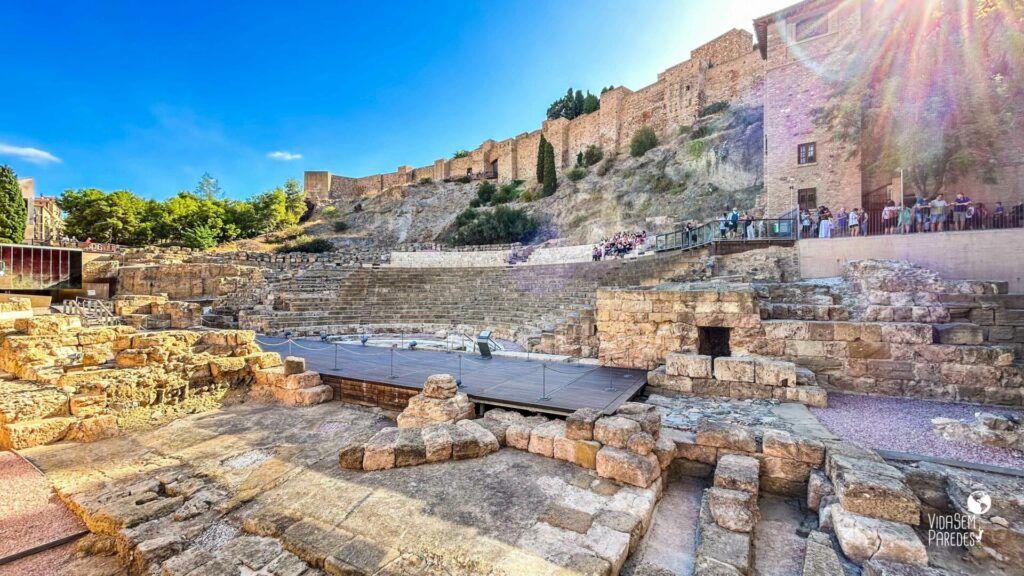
<point x="872" y="223"/>
<point x="93" y="312"/>
<point x="727" y="231"/>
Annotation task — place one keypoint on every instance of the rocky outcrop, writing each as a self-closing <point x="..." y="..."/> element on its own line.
<point x="440" y="401"/>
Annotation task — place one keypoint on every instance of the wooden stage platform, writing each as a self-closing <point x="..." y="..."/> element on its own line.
<point x="389" y="376"/>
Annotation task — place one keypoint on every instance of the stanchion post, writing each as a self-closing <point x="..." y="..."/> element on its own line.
<point x="392" y="361"/>
<point x="458" y="381"/>
<point x="335" y="355"/>
<point x="544" y="381"/>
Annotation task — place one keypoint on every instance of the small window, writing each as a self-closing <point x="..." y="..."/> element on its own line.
<point x="806" y="153"/>
<point x="807" y="198"/>
<point x="811" y="27"/>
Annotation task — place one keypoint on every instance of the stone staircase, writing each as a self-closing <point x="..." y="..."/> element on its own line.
<point x="516" y="302"/>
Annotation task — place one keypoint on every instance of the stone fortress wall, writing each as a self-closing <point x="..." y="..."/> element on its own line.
<point x="726" y="68"/>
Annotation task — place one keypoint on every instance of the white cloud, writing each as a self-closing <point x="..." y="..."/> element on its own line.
<point x="33" y="155"/>
<point x="285" y="156"/>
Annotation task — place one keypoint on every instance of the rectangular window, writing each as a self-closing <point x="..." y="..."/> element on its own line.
<point x="811" y="27"/>
<point x="807" y="198"/>
<point x="806" y="153"/>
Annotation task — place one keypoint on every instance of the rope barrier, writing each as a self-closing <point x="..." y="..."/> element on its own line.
<point x="261" y="343"/>
<point x="297" y="345"/>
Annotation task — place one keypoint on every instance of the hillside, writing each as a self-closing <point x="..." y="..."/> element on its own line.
<point x="694" y="174"/>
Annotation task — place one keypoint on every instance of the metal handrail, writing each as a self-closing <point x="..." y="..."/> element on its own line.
<point x="726" y="231"/>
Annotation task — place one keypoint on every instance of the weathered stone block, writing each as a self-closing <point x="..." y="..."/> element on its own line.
<point x="437" y="442"/>
<point x="379" y="452"/>
<point x="351" y="456"/>
<point x="580" y="424"/>
<point x="863" y="539"/>
<point x="877" y="496"/>
<point x="294" y="365"/>
<point x="785" y="468"/>
<point x="300" y="380"/>
<point x="441" y="386"/>
<point x="410" y="449"/>
<point x="774" y="373"/>
<point x="542" y="437"/>
<point x="734" y="368"/>
<point x="733" y="509"/>
<point x="737" y="472"/>
<point x="781" y="444"/>
<point x="586" y="453"/>
<point x="729" y="436"/>
<point x="627" y="467"/>
<point x="615" y="431"/>
<point x="818" y="486"/>
<point x="665" y="450"/>
<point x="689" y="365"/>
<point x="641" y="443"/>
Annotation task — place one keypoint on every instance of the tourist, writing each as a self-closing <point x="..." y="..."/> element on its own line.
<point x="840" y="220"/>
<point x="999" y="216"/>
<point x="854" y="220"/>
<point x="921" y="212"/>
<point x="824" y="222"/>
<point x="977" y="216"/>
<point x="691" y="234"/>
<point x="746" y="220"/>
<point x="596" y="253"/>
<point x="723" y="225"/>
<point x="805" y="223"/>
<point x="734" y="221"/>
<point x="889" y="215"/>
<point x="905" y="219"/>
<point x="960" y="205"/>
<point x="938" y="213"/>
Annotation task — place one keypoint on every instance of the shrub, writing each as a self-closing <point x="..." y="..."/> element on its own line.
<point x="460" y="154"/>
<point x="713" y="108"/>
<point x="330" y="212"/>
<point x="200" y="236"/>
<point x="340" y="226"/>
<point x="606" y="166"/>
<point x="485" y="192"/>
<point x="464" y="179"/>
<point x="696" y="148"/>
<point x="576" y="174"/>
<point x="592" y="155"/>
<point x="475" y="203"/>
<point x="684" y="130"/>
<point x="465" y="217"/>
<point x="503" y="225"/>
<point x="700" y="132"/>
<point x="642" y="141"/>
<point x="528" y="196"/>
<point x="426" y="180"/>
<point x="308" y="245"/>
<point x="507" y="193"/>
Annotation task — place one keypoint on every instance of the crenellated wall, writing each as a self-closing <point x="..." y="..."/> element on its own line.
<point x="726" y="68"/>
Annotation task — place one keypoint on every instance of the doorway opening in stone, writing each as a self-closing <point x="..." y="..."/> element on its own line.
<point x="713" y="341"/>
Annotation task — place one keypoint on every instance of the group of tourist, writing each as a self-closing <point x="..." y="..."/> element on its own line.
<point x="619" y="245"/>
<point x="736" y="224"/>
<point x="920" y="215"/>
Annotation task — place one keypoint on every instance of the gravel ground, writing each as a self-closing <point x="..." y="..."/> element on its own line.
<point x="904" y="425"/>
<point x="30" y="513"/>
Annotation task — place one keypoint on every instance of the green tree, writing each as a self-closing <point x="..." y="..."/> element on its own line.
<point x="485" y="192"/>
<point x="295" y="199"/>
<point x="644" y="139"/>
<point x="942" y="112"/>
<point x="119" y="217"/>
<point x="460" y="154"/>
<point x="542" y="146"/>
<point x="13" y="212"/>
<point x="208" y="187"/>
<point x="577" y="105"/>
<point x="579" y="158"/>
<point x="202" y="237"/>
<point x="271" y="211"/>
<point x="503" y="225"/>
<point x="592" y="155"/>
<point x="550" y="179"/>
<point x="591" y="103"/>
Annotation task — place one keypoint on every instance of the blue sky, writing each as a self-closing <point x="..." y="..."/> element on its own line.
<point x="147" y="96"/>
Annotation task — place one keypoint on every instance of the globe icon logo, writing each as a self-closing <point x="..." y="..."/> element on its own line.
<point x="979" y="502"/>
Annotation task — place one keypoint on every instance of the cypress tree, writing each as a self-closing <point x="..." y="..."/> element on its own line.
<point x="550" y="181"/>
<point x="13" y="213"/>
<point x="542" y="147"/>
<point x="577" y="104"/>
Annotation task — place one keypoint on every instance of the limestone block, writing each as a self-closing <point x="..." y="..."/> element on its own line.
<point x="641" y="443"/>
<point x="452" y="409"/>
<point x="269" y="377"/>
<point x="820" y="558"/>
<point x="689" y="365"/>
<point x="958" y="333"/>
<point x="781" y="444"/>
<point x="734" y="368"/>
<point x="665" y="450"/>
<point x="496" y="427"/>
<point x="890" y="568"/>
<point x="818" y="486"/>
<point x="83" y="405"/>
<point x="294" y="365"/>
<point x="878" y="496"/>
<point x="18" y="435"/>
<point x="440" y="386"/>
<point x="863" y="539"/>
<point x="465" y="444"/>
<point x="906" y="333"/>
<point x="774" y="373"/>
<point x="737" y="472"/>
<point x="379" y="452"/>
<point x="410" y="449"/>
<point x="615" y="431"/>
<point x="350" y="456"/>
<point x="586" y="453"/>
<point x="300" y="380"/>
<point x="437" y="442"/>
<point x="488" y="443"/>
<point x="649" y="419"/>
<point x="733" y="509"/>
<point x="47" y="325"/>
<point x="131" y="358"/>
<point x="783" y="487"/>
<point x="542" y="437"/>
<point x="304" y="396"/>
<point x="268" y="359"/>
<point x="688" y="449"/>
<point x="627" y="467"/>
<point x="518" y="434"/>
<point x="729" y="436"/>
<point x="580" y="424"/>
<point x="564" y="449"/>
<point x="720" y="552"/>
<point x="226" y="366"/>
<point x="93" y="428"/>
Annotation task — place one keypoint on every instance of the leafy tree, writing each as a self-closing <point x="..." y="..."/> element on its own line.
<point x="208" y="187"/>
<point x="119" y="217"/>
<point x="295" y="199"/>
<point x="935" y="92"/>
<point x="503" y="225"/>
<point x="542" y="146"/>
<point x="591" y="103"/>
<point x="550" y="179"/>
<point x="577" y="106"/>
<point x="202" y="237"/>
<point x="606" y="89"/>
<point x="271" y="210"/>
<point x="13" y="212"/>
<point x="644" y="139"/>
<point x="573" y="105"/>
